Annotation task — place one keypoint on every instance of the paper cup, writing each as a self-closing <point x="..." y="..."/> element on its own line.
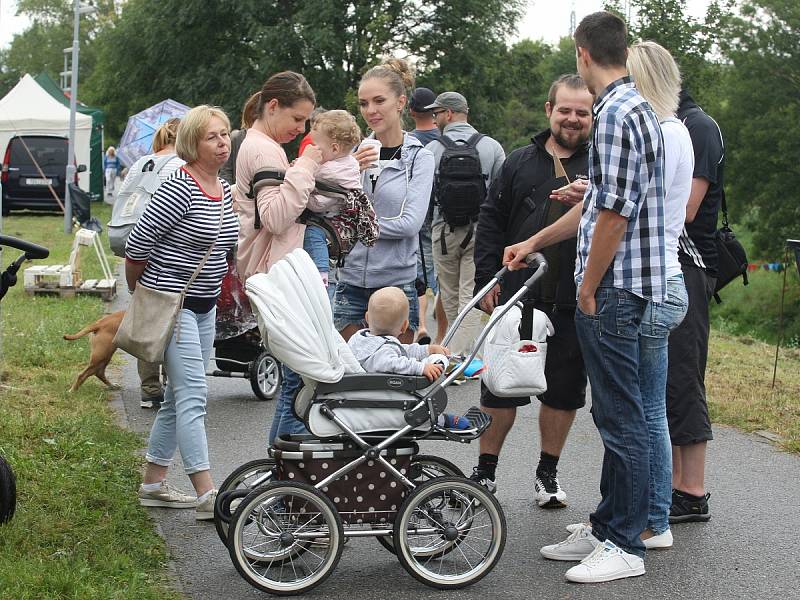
<point x="376" y="146"/>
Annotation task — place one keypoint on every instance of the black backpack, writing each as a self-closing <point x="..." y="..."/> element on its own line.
<point x="460" y="182"/>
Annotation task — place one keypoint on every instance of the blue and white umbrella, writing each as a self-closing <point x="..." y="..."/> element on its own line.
<point x="138" y="137"/>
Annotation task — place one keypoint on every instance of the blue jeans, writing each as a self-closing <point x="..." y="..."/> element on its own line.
<point x="659" y="319"/>
<point x="284" y="420"/>
<point x="350" y="305"/>
<point x="426" y="250"/>
<point x="316" y="244"/>
<point x="609" y="342"/>
<point x="180" y="422"/>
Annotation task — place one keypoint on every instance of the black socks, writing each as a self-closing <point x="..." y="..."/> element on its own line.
<point x="547" y="464"/>
<point x="488" y="464"/>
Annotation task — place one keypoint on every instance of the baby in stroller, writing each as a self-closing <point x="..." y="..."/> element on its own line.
<point x="335" y="133"/>
<point x="378" y="350"/>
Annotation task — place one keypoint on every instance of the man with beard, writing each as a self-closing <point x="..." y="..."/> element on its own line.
<point x="519" y="204"/>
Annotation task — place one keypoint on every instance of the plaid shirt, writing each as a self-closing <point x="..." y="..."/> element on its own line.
<point x="626" y="166"/>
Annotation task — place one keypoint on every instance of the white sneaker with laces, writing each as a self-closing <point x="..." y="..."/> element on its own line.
<point x="575" y="526"/>
<point x="166" y="496"/>
<point x="577" y="546"/>
<point x="205" y="509"/>
<point x="660" y="541"/>
<point x="607" y="562"/>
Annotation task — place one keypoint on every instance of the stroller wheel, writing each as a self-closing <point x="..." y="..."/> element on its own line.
<point x="8" y="491"/>
<point x="449" y="533"/>
<point x="265" y="376"/>
<point x="235" y="487"/>
<point x="271" y="536"/>
<point x="423" y="468"/>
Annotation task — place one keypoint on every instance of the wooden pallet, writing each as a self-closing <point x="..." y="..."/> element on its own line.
<point x="66" y="280"/>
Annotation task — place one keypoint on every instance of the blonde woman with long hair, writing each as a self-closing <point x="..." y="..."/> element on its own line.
<point x="658" y="79"/>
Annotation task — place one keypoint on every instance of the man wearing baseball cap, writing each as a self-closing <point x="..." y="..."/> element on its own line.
<point x="466" y="163"/>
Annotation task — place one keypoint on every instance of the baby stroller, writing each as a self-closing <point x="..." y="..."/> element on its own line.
<point x="238" y="348"/>
<point x="8" y="279"/>
<point x="358" y="473"/>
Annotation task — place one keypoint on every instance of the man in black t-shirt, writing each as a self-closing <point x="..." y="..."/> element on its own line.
<point x="687" y="411"/>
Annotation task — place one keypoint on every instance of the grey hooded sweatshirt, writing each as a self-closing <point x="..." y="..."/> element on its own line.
<point x="385" y="354"/>
<point x="400" y="198"/>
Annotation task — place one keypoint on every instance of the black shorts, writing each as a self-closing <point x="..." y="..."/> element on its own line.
<point x="687" y="411"/>
<point x="564" y="369"/>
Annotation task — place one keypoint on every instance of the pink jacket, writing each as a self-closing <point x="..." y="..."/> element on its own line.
<point x="278" y="206"/>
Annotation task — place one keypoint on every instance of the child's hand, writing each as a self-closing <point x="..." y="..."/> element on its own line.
<point x="432" y="371"/>
<point x="437" y="349"/>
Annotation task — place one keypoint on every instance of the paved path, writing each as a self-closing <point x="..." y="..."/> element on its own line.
<point x="747" y="550"/>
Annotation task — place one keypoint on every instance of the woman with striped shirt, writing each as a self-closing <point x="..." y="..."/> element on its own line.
<point x="167" y="244"/>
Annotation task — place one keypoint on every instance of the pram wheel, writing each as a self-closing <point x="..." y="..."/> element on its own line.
<point x="423" y="468"/>
<point x="285" y="538"/>
<point x="449" y="533"/>
<point x="265" y="376"/>
<point x="236" y="487"/>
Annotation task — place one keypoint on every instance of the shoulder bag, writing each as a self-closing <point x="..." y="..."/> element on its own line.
<point x="732" y="258"/>
<point x="147" y="326"/>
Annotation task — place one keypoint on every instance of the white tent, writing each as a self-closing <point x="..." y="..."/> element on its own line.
<point x="29" y="110"/>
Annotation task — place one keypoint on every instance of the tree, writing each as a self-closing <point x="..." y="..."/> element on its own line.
<point x="40" y="47"/>
<point x="760" y="120"/>
<point x="226" y="49"/>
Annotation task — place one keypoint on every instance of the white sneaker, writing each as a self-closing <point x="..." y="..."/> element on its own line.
<point x="607" y="562"/>
<point x="660" y="541"/>
<point x="166" y="496"/>
<point x="205" y="509"/>
<point x="575" y="526"/>
<point x="577" y="546"/>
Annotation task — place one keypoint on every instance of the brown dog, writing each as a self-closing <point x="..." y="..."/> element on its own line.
<point x="103" y="347"/>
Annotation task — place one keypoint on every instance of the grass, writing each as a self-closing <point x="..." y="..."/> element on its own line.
<point x="739" y="387"/>
<point x="78" y="531"/>
<point x="754" y="310"/>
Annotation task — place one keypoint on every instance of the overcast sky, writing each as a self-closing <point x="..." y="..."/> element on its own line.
<point x="544" y="19"/>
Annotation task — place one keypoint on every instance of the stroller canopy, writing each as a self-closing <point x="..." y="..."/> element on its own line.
<point x="295" y="319"/>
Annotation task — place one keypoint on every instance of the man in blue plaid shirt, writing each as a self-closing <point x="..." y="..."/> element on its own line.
<point x="620" y="267"/>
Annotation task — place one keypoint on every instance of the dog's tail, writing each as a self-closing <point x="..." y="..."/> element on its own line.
<point x="86" y="330"/>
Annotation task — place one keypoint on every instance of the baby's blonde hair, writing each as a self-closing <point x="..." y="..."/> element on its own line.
<point x="340" y="126"/>
<point x="387" y="311"/>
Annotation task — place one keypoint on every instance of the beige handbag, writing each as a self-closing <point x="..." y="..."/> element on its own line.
<point x="146" y="328"/>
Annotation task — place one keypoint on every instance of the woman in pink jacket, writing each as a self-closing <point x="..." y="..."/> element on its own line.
<point x="273" y="116"/>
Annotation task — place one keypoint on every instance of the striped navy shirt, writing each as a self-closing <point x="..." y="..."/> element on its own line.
<point x="626" y="175"/>
<point x="174" y="233"/>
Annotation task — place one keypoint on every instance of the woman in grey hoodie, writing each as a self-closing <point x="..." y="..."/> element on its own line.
<point x="400" y="191"/>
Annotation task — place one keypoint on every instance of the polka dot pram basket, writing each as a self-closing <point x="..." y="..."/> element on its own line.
<point x="369" y="494"/>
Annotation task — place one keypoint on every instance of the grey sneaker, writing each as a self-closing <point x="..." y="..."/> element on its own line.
<point x="166" y="496"/>
<point x="205" y="509"/>
<point x="577" y="546"/>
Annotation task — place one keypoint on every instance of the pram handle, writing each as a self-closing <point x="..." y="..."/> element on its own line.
<point x="541" y="268"/>
<point x="32" y="251"/>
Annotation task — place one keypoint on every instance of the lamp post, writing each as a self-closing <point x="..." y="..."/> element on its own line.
<point x="78" y="10"/>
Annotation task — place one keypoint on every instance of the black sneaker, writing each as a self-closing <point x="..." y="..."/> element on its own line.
<point x="154" y="402"/>
<point x="482" y="478"/>
<point x="548" y="491"/>
<point x="687" y="508"/>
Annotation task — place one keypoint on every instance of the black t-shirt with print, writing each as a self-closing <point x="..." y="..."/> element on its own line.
<point x="709" y="161"/>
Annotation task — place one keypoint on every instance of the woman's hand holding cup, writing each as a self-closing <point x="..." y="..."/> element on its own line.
<point x="368" y="153"/>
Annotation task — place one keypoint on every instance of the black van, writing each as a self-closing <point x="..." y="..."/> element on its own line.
<point x="23" y="184"/>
